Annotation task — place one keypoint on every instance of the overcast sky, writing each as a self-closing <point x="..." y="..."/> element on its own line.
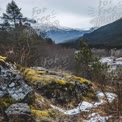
<point x="70" y="13"/>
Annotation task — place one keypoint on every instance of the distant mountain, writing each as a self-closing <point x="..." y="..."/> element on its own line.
<point x="57" y="34"/>
<point x="75" y="42"/>
<point x="60" y="35"/>
<point x="109" y="36"/>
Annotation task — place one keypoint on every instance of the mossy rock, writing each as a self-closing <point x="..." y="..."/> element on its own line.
<point x="60" y="88"/>
<point x="6" y="101"/>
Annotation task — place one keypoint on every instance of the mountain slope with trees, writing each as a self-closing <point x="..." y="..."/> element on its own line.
<point x="108" y="36"/>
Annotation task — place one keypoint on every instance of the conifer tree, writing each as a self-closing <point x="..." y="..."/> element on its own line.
<point x="84" y="58"/>
<point x="89" y="65"/>
<point x="13" y="14"/>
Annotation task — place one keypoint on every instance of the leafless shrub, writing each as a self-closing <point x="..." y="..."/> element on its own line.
<point x="42" y="55"/>
<point x="55" y="57"/>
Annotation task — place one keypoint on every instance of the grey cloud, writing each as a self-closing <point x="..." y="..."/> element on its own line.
<point x="78" y="9"/>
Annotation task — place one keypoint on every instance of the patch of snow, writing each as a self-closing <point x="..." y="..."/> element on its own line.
<point x="110" y="96"/>
<point x="113" y="61"/>
<point x="119" y="62"/>
<point x="119" y="59"/>
<point x="86" y="106"/>
<point x="94" y="117"/>
<point x="106" y="60"/>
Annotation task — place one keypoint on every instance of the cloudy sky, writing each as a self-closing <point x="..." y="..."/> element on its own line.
<point x="70" y="13"/>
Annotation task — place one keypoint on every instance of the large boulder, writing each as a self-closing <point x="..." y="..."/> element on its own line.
<point x="12" y="83"/>
<point x="19" y="112"/>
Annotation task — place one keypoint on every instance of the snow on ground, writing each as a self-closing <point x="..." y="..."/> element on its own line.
<point x="106" y="60"/>
<point x="86" y="106"/>
<point x="113" y="61"/>
<point x="95" y="117"/>
<point x="110" y="96"/>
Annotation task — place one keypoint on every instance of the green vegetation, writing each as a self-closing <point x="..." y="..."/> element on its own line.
<point x="45" y="77"/>
<point x="5" y="102"/>
<point x="13" y="14"/>
<point x="2" y="59"/>
<point x="88" y="65"/>
<point x="15" y="31"/>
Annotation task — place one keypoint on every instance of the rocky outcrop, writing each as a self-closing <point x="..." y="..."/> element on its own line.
<point x="19" y="112"/>
<point x="12" y="82"/>
<point x="60" y="88"/>
<point x="30" y="92"/>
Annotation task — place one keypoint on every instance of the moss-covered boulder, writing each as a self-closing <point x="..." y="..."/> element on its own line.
<point x="60" y="88"/>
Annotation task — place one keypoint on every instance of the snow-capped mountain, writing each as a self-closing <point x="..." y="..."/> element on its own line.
<point x="57" y="33"/>
<point x="63" y="34"/>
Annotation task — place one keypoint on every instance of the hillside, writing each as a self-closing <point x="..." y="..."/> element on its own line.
<point x="40" y="95"/>
<point x="107" y="36"/>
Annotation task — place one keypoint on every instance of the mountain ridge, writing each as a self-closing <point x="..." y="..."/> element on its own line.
<point x="107" y="36"/>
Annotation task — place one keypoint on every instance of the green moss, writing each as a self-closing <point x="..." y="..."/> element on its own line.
<point x="40" y="76"/>
<point x="29" y="71"/>
<point x="57" y="84"/>
<point x="62" y="82"/>
<point x="90" y="94"/>
<point x="2" y="59"/>
<point x="52" y="113"/>
<point x="6" y="101"/>
<point x="31" y="74"/>
<point x="75" y="78"/>
<point x="81" y="80"/>
<point x="40" y="114"/>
